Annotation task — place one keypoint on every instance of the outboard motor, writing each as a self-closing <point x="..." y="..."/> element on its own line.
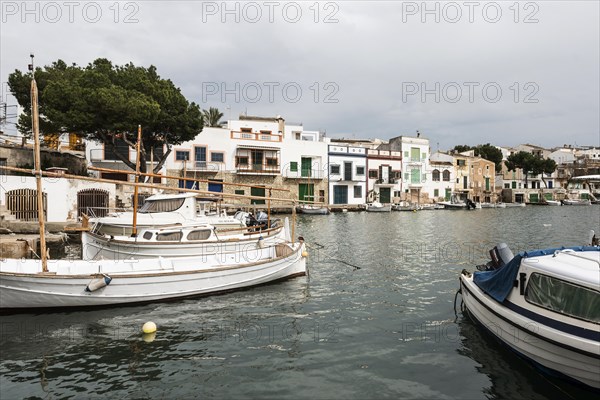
<point x="499" y="256"/>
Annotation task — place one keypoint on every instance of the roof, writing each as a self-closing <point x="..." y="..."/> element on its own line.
<point x="249" y="146"/>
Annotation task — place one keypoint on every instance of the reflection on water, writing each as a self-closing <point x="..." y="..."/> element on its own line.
<point x="384" y="329"/>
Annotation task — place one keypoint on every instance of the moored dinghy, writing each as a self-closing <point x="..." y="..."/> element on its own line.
<point x="549" y="296"/>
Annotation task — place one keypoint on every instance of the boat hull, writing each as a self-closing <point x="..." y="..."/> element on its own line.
<point x="314" y="211"/>
<point x="137" y="281"/>
<point x="97" y="247"/>
<point x="557" y="352"/>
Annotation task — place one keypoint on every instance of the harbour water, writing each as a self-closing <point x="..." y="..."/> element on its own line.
<point x="375" y="319"/>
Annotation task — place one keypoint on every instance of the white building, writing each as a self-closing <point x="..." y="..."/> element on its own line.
<point x="443" y="176"/>
<point x="347" y="174"/>
<point x="415" y="181"/>
<point x="384" y="182"/>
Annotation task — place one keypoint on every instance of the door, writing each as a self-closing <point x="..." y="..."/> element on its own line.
<point x="347" y="171"/>
<point x="448" y="194"/>
<point x="465" y="182"/>
<point x="257" y="191"/>
<point x="306" y="192"/>
<point x="306" y="167"/>
<point x="340" y="194"/>
<point x="189" y="184"/>
<point x="92" y="202"/>
<point x="415" y="175"/>
<point x="533" y="197"/>
<point x="200" y="157"/>
<point x="385" y="195"/>
<point x="257" y="160"/>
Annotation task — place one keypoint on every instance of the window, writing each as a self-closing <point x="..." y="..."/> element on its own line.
<point x="241" y="161"/>
<point x="335" y="170"/>
<point x="460" y="163"/>
<point x="357" y="192"/>
<point x="162" y="205"/>
<point x="423" y="156"/>
<point x="170" y="236"/>
<point x="217" y="157"/>
<point x="271" y="162"/>
<point x="360" y="170"/>
<point x="247" y="130"/>
<point x="406" y="154"/>
<point x="293" y="166"/>
<point x="435" y="175"/>
<point x="240" y="191"/>
<point x="200" y="153"/>
<point x="563" y="297"/>
<point x="406" y="176"/>
<point x="373" y="174"/>
<point x="507" y="186"/>
<point x="182" y="155"/>
<point x="2" y="164"/>
<point x="397" y="193"/>
<point x="201" y="234"/>
<point x="415" y="152"/>
<point x="446" y="176"/>
<point x="436" y="192"/>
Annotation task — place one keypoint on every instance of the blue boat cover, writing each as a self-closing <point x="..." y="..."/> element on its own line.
<point x="498" y="283"/>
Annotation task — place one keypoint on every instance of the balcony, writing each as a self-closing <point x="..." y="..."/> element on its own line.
<point x="203" y="166"/>
<point x="257" y="169"/>
<point x="304" y="174"/>
<point x="261" y="137"/>
<point x="386" y="182"/>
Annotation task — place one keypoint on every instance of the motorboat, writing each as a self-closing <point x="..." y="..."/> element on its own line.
<point x="161" y="210"/>
<point x="544" y="305"/>
<point x="378" y="207"/>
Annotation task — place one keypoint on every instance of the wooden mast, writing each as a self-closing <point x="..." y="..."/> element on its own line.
<point x="35" y="128"/>
<point x="137" y="178"/>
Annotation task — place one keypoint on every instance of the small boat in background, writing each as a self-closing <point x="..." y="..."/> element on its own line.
<point x="552" y="203"/>
<point x="405" y="206"/>
<point x="488" y="205"/>
<point x="378" y="207"/>
<point x="312" y="209"/>
<point x="512" y="205"/>
<point x="576" y="202"/>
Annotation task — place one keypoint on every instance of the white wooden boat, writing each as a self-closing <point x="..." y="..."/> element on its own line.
<point x="176" y="241"/>
<point x="405" y="206"/>
<point x="514" y="205"/>
<point x="312" y="209"/>
<point x="576" y="202"/>
<point x="488" y="205"/>
<point x="81" y="283"/>
<point x="552" y="203"/>
<point x="378" y="207"/>
<point x="544" y="305"/>
<point x="500" y="205"/>
<point x="433" y="206"/>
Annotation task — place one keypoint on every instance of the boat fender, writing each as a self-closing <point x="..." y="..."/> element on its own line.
<point x="98" y="283"/>
<point x="261" y="242"/>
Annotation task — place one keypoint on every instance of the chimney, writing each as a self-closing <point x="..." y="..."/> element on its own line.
<point x="281" y="125"/>
<point x="418" y="134"/>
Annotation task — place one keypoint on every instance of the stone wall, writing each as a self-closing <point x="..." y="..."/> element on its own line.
<point x="22" y="157"/>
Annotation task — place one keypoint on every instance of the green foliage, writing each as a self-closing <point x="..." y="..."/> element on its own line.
<point x="104" y="102"/>
<point x="485" y="151"/>
<point x="530" y="164"/>
<point x="212" y="117"/>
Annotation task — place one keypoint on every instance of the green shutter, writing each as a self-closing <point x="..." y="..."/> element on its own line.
<point x="294" y="166"/>
<point x="306" y="167"/>
<point x="415" y="154"/>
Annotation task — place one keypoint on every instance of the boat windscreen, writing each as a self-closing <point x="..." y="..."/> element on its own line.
<point x="162" y="205"/>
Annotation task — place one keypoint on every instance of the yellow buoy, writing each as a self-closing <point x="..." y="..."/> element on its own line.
<point x="149" y="327"/>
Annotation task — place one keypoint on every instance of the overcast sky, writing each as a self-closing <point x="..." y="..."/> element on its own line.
<point x="459" y="72"/>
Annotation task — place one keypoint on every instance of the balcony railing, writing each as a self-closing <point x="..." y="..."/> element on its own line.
<point x="304" y="174"/>
<point x="203" y="166"/>
<point x="262" y="137"/>
<point x="258" y="169"/>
